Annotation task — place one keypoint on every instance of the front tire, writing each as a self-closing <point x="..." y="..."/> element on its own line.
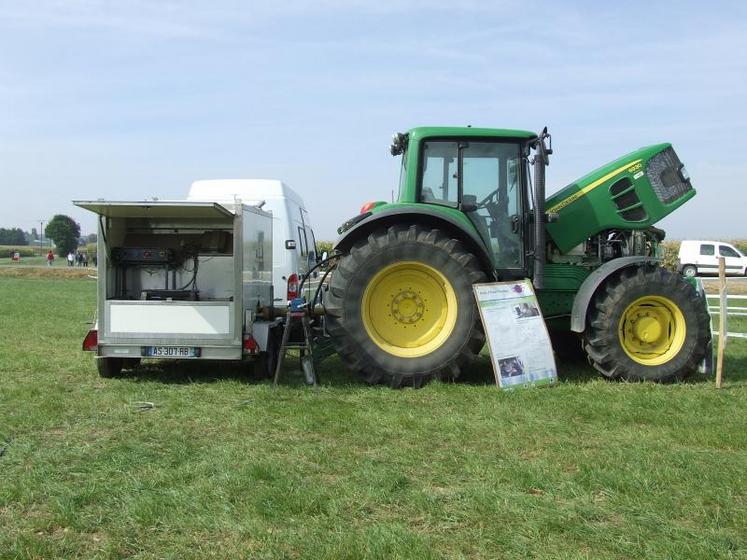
<point x="400" y="307"/>
<point x="647" y="323"/>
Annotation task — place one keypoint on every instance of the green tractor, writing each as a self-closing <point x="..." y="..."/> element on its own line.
<point x="400" y="306"/>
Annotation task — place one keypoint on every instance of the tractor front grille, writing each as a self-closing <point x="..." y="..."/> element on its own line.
<point x="664" y="174"/>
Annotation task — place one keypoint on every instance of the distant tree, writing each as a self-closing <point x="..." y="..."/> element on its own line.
<point x="64" y="232"/>
<point x="12" y="236"/>
<point x="34" y="234"/>
<point x="92" y="238"/>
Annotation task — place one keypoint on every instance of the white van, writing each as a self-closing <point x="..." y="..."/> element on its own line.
<point x="701" y="257"/>
<point x="294" y="244"/>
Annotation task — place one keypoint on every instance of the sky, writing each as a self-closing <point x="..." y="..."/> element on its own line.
<point x="135" y="99"/>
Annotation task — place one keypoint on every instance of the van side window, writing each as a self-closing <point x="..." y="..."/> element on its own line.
<point x="302" y="241"/>
<point x="707" y="250"/>
<point x="312" y="249"/>
<point x="725" y="251"/>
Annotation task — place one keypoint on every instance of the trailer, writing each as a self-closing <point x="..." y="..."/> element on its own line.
<point x="182" y="280"/>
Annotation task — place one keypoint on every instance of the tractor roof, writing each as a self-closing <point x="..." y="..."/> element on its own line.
<point x="462" y="131"/>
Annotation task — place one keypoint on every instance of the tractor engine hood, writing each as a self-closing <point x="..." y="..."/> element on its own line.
<point x="632" y="192"/>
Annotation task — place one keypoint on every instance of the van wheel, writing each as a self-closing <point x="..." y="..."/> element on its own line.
<point x="130" y="363"/>
<point x="109" y="367"/>
<point x="689" y="271"/>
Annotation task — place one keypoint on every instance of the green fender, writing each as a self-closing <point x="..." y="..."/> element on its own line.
<point x="425" y="216"/>
<point x="594" y="280"/>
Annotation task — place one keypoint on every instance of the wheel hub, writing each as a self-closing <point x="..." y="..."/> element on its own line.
<point x="647" y="329"/>
<point x="407" y="307"/>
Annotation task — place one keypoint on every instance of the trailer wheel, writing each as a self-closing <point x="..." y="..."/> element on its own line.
<point x="400" y="307"/>
<point x="109" y="367"/>
<point x="647" y="323"/>
<point x="265" y="363"/>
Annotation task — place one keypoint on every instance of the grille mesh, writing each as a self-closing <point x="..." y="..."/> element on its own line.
<point x="664" y="173"/>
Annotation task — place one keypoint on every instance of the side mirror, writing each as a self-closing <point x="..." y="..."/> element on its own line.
<point x="469" y="203"/>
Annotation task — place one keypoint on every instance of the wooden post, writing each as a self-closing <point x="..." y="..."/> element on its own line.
<point x="722" y="295"/>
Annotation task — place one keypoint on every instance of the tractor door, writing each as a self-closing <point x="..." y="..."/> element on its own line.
<point x="483" y="179"/>
<point x="491" y="197"/>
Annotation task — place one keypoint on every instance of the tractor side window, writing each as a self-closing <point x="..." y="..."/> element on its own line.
<point x="725" y="251"/>
<point x="439" y="176"/>
<point x="707" y="250"/>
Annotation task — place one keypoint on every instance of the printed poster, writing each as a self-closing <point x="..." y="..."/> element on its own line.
<point x="519" y="343"/>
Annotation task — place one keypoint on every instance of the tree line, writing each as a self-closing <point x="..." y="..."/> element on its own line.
<point x="14" y="236"/>
<point x="61" y="229"/>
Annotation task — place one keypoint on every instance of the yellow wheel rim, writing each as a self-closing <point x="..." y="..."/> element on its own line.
<point x="652" y="330"/>
<point x="409" y="309"/>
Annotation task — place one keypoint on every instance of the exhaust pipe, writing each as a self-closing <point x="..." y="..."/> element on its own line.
<point x="541" y="160"/>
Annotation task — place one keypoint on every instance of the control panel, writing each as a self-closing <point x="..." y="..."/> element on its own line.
<point x="142" y="255"/>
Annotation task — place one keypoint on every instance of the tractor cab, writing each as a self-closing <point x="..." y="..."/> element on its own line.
<point x="481" y="173"/>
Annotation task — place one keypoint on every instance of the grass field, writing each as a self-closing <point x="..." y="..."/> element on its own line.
<point x="225" y="467"/>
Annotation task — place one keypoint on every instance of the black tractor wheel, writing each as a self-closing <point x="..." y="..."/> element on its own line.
<point x="400" y="307"/>
<point x="647" y="323"/>
<point x="109" y="367"/>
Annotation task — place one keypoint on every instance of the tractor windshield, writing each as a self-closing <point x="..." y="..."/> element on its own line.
<point x="403" y="177"/>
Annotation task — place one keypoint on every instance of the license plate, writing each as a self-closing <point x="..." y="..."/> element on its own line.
<point x="171" y="351"/>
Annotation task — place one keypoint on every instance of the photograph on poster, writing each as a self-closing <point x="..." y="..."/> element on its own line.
<point x="511" y="366"/>
<point x="526" y="310"/>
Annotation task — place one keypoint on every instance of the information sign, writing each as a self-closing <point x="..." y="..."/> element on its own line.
<point x="519" y="343"/>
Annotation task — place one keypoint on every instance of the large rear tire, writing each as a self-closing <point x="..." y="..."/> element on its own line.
<point x="400" y="307"/>
<point x="647" y="323"/>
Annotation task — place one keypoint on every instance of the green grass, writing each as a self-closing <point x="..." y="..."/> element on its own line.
<point x="36" y="260"/>
<point x="226" y="467"/>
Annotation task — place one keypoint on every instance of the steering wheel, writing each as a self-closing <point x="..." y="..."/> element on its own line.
<point x="485" y="202"/>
